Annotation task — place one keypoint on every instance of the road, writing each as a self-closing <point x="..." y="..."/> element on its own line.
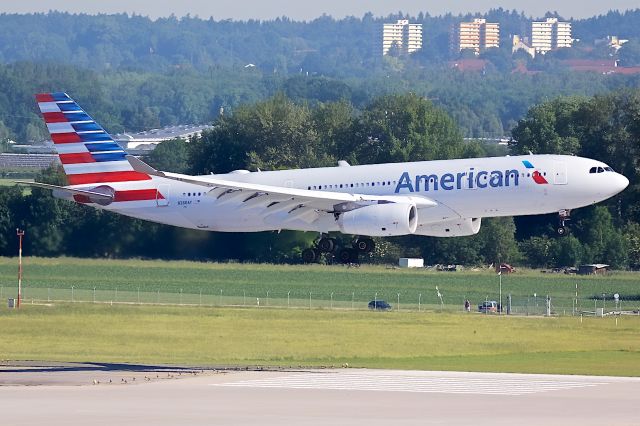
<point x="313" y="397"/>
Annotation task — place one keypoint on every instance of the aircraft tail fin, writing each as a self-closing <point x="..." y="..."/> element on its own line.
<point x="88" y="154"/>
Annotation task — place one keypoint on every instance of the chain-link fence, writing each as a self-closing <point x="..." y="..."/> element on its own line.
<point x="534" y="304"/>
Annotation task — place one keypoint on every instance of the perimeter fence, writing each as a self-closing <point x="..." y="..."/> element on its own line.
<point x="433" y="301"/>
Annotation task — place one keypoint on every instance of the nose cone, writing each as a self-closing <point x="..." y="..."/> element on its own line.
<point x="619" y="183"/>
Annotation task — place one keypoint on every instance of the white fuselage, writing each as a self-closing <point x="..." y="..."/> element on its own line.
<point x="464" y="188"/>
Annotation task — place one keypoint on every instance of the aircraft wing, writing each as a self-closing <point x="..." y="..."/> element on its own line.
<point x="300" y="203"/>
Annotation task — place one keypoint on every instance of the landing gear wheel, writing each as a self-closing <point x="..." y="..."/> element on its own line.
<point x="563" y="217"/>
<point x="326" y="245"/>
<point x="347" y="255"/>
<point x="365" y="245"/>
<point x="310" y="255"/>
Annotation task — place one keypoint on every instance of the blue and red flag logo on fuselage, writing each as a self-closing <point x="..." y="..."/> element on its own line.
<point x="536" y="175"/>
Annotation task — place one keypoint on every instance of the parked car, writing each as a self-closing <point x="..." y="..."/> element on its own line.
<point x="379" y="305"/>
<point x="489" y="306"/>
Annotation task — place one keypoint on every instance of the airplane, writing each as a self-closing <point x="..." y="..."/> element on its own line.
<point x="445" y="198"/>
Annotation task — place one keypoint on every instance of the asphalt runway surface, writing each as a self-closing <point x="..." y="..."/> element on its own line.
<point x="102" y="394"/>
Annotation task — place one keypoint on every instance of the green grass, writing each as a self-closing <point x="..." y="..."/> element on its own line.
<point x="294" y="337"/>
<point x="339" y="283"/>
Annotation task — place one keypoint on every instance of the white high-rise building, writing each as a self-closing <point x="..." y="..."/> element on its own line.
<point x="478" y="36"/>
<point x="405" y="36"/>
<point x="550" y="34"/>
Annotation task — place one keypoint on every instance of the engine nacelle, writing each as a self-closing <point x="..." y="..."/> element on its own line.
<point x="380" y="220"/>
<point x="450" y="228"/>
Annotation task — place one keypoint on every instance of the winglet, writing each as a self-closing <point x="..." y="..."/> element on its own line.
<point x="142" y="167"/>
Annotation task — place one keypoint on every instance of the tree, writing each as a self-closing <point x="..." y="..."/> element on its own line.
<point x="632" y="234"/>
<point x="497" y="240"/>
<point x="603" y="243"/>
<point x="568" y="251"/>
<point x="538" y="251"/>
<point x="170" y="156"/>
<point x="629" y="53"/>
<point x="406" y="127"/>
<point x="549" y="128"/>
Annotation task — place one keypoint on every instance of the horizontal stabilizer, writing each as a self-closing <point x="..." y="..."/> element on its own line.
<point x="104" y="197"/>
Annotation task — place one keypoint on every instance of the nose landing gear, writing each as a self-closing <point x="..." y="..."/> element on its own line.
<point x="563" y="217"/>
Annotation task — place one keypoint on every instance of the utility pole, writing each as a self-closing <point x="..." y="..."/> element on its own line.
<point x="20" y="234"/>
<point x="500" y="290"/>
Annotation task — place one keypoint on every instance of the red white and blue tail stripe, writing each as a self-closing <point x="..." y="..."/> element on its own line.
<point x="87" y="152"/>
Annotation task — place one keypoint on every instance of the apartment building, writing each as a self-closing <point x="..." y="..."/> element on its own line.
<point x="550" y="34"/>
<point x="478" y="36"/>
<point x="403" y="35"/>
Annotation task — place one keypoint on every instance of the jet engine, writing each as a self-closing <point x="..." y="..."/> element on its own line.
<point x="450" y="228"/>
<point x="380" y="220"/>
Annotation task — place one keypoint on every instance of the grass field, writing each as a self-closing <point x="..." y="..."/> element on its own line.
<point x="295" y="337"/>
<point x="173" y="282"/>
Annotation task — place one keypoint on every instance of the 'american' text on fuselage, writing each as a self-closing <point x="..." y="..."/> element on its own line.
<point x="462" y="180"/>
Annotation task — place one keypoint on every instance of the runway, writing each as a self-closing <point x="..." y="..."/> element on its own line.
<point x="321" y="397"/>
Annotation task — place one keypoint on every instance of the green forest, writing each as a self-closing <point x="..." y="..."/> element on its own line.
<point x="314" y="96"/>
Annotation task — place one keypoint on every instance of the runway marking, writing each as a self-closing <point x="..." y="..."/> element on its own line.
<point x="405" y="383"/>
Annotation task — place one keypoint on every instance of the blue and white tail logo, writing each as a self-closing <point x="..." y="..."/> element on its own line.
<point x="87" y="152"/>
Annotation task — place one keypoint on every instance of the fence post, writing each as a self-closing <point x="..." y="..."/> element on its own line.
<point x="331" y="305"/>
<point x="309" y="300"/>
<point x="398" y="308"/>
<point x="419" y="301"/>
<point x="288" y="303"/>
<point x="267" y="298"/>
<point x="94" y="295"/>
<point x="72" y="300"/>
<point x="548" y="306"/>
<point x="244" y="298"/>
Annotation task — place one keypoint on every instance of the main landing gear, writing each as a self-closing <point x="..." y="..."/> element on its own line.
<point x="331" y="248"/>
<point x="563" y="217"/>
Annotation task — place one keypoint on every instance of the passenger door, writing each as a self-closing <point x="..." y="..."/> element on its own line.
<point x="559" y="173"/>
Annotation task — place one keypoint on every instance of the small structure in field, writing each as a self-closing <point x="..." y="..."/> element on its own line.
<point x="410" y="262"/>
<point x="593" y="269"/>
<point x="505" y="268"/>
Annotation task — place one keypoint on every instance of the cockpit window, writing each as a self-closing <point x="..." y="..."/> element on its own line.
<point x="600" y="169"/>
